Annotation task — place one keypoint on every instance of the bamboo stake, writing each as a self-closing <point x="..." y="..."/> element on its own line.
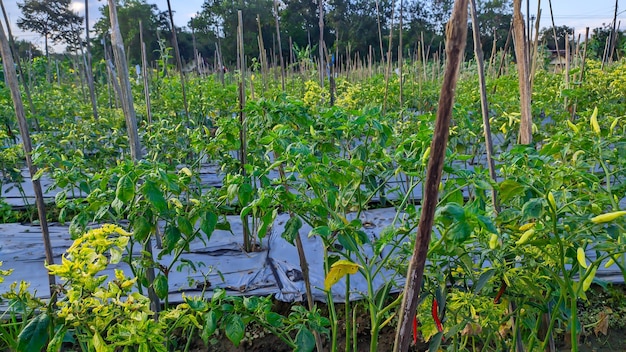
<point x="613" y="34"/>
<point x="535" y="54"/>
<point x="144" y="73"/>
<point x="322" y="67"/>
<point x="262" y="58"/>
<point x="280" y="45"/>
<point x="556" y="39"/>
<point x="484" y="104"/>
<point x="178" y="60"/>
<point x="455" y="46"/>
<point x="117" y="43"/>
<point x="88" y="68"/>
<point x="504" y="51"/>
<point x="11" y="78"/>
<point x="582" y="65"/>
<point x="525" y="131"/>
<point x="247" y="246"/>
<point x="567" y="58"/>
<point x="400" y="53"/>
<point x="29" y="97"/>
<point x="388" y="67"/>
<point x="380" y="34"/>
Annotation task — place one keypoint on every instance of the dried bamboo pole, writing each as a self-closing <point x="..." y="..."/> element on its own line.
<point x="144" y="73"/>
<point x="11" y="78"/>
<point x="322" y="67"/>
<point x="179" y="61"/>
<point x="117" y="43"/>
<point x="280" y="45"/>
<point x="88" y="68"/>
<point x="521" y="52"/>
<point x="556" y="39"/>
<point x="484" y="104"/>
<point x="29" y="97"/>
<point x="455" y="46"/>
<point x="247" y="245"/>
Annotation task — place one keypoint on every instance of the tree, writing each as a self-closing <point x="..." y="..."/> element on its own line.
<point x="26" y="49"/>
<point x="220" y="16"/>
<point x="493" y="16"/>
<point x="546" y="35"/>
<point x="53" y="19"/>
<point x="599" y="38"/>
<point x="130" y="12"/>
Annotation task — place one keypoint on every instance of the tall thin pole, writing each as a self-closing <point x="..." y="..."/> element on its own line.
<point x="280" y="45"/>
<point x="144" y="73"/>
<point x="243" y="160"/>
<point x="117" y="44"/>
<point x="88" y="69"/>
<point x="613" y="33"/>
<point x="322" y="67"/>
<point x="455" y="46"/>
<point x="178" y="60"/>
<point x="556" y="39"/>
<point x="484" y="104"/>
<point x="521" y="52"/>
<point x="19" y="64"/>
<point x="11" y="78"/>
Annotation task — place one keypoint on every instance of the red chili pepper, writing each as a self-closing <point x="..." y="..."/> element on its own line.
<point x="435" y="313"/>
<point x="496" y="300"/>
<point x="415" y="329"/>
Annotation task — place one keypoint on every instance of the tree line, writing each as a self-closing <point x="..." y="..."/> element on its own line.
<point x="351" y="27"/>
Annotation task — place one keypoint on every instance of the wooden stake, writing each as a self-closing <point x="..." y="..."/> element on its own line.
<point x="455" y="46"/>
<point x="484" y="104"/>
<point x="11" y="78"/>
<point x="247" y="246"/>
<point x="521" y="52"/>
<point x="280" y="45"/>
<point x="144" y="73"/>
<point x="178" y="60"/>
<point x="117" y="43"/>
<point x="88" y="68"/>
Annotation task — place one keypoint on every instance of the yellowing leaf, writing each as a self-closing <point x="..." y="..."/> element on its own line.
<point x="338" y="270"/>
<point x="98" y="343"/>
<point x="185" y="171"/>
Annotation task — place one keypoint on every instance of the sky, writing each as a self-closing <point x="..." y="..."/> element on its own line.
<point x="573" y="13"/>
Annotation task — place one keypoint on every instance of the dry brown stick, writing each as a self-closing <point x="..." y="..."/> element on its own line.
<point x="11" y="78"/>
<point x="455" y="46"/>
